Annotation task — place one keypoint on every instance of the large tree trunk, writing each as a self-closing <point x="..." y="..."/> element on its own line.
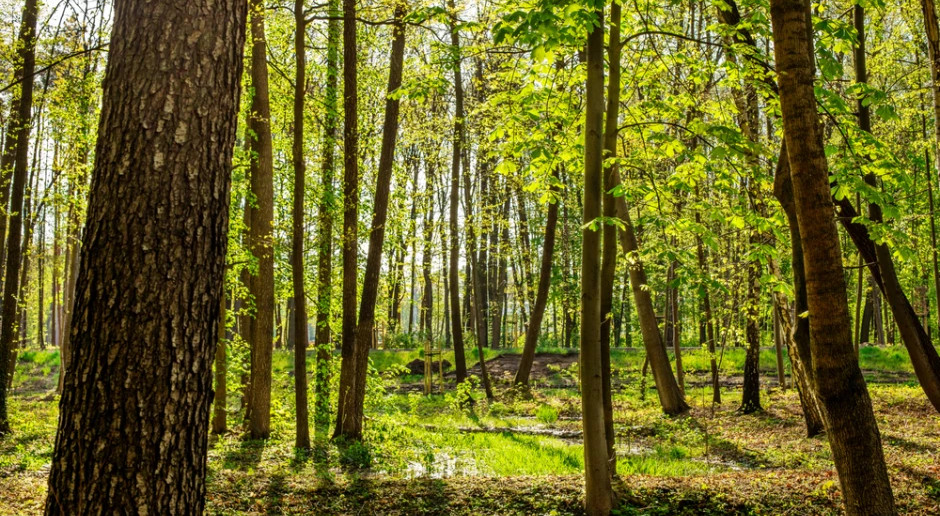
<point x="262" y="231"/>
<point x="134" y="414"/>
<point x="456" y="325"/>
<point x="353" y="403"/>
<point x="324" y="346"/>
<point x="850" y="421"/>
<point x="541" y="296"/>
<point x="346" y="423"/>
<point x="598" y="495"/>
<point x="298" y="341"/>
<point x="18" y="137"/>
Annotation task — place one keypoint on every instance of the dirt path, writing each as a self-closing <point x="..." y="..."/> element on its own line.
<point x="503" y="367"/>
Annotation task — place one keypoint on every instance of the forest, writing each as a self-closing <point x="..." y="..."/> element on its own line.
<point x="516" y="257"/>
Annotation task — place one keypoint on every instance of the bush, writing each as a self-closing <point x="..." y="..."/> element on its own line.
<point x="546" y="414"/>
<point x="355" y="455"/>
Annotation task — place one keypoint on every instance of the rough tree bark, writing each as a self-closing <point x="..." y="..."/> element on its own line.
<point x="134" y="414"/>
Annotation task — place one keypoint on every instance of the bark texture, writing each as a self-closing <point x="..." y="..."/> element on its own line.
<point x="134" y="414"/>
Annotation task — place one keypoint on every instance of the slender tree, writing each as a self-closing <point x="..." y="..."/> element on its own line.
<point x="456" y="326"/>
<point x="352" y="403"/>
<point x="534" y="329"/>
<point x="348" y="424"/>
<point x="325" y="224"/>
<point x="299" y="312"/>
<point x="262" y="230"/>
<point x="598" y="495"/>
<point x="18" y="145"/>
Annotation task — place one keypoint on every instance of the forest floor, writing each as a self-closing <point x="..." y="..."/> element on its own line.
<point x="521" y="453"/>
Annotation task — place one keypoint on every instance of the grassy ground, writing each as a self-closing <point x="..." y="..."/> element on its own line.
<point x="521" y="454"/>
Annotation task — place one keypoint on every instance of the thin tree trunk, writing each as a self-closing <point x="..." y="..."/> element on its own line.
<point x="19" y="135"/>
<point x="354" y="401"/>
<point x="346" y="424"/>
<point x="298" y="309"/>
<point x="456" y="325"/>
<point x="324" y="346"/>
<point x="262" y="230"/>
<point x="670" y="397"/>
<point x="220" y="398"/>
<point x="609" y="207"/>
<point x="598" y="497"/>
<point x="541" y="295"/>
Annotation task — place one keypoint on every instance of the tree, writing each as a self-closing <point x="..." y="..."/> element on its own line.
<point x="541" y="295"/>
<point x="133" y="430"/>
<point x="352" y="404"/>
<point x="297" y="232"/>
<point x="324" y="345"/>
<point x="598" y="494"/>
<point x="16" y="155"/>
<point x="609" y="247"/>
<point x="850" y="422"/>
<point x="456" y="326"/>
<point x="346" y="424"/>
<point x="261" y="231"/>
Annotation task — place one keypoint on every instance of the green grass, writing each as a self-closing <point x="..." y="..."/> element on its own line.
<point x="418" y="438"/>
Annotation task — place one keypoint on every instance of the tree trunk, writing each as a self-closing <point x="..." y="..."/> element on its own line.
<point x="778" y="348"/>
<point x="609" y="207"/>
<point x="298" y="312"/>
<point x="541" y="296"/>
<point x="850" y="421"/>
<point x="598" y="494"/>
<point x="346" y="424"/>
<point x="147" y="302"/>
<point x="750" y="396"/>
<point x="670" y="397"/>
<point x="18" y="138"/>
<point x="456" y="326"/>
<point x="220" y="398"/>
<point x="352" y="403"/>
<point x="324" y="346"/>
<point x="262" y="230"/>
<point x="797" y="328"/>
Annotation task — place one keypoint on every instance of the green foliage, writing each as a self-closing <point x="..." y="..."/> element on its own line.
<point x="546" y="414"/>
